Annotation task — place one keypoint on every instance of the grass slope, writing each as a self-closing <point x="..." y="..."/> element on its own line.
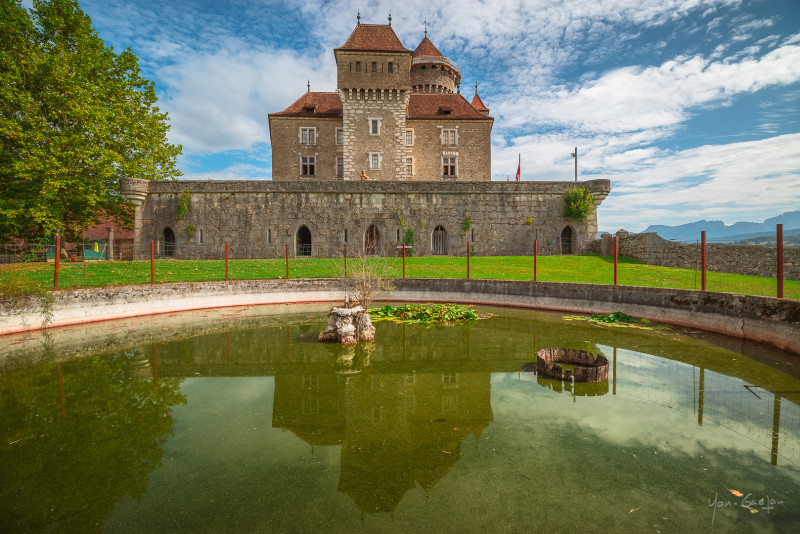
<point x="580" y="269"/>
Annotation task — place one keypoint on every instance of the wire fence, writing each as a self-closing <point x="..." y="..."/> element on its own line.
<point x="95" y="263"/>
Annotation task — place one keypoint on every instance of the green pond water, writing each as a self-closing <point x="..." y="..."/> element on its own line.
<point x="241" y="422"/>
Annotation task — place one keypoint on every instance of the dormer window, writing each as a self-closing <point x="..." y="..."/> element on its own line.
<point x="310" y="108"/>
<point x="445" y="110"/>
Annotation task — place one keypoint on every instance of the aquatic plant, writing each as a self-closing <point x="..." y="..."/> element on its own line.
<point x="446" y="314"/>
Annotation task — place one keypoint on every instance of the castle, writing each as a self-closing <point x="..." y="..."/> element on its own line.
<point x="396" y="151"/>
<point x="396" y="115"/>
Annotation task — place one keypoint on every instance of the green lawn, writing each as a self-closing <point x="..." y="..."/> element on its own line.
<point x="582" y="269"/>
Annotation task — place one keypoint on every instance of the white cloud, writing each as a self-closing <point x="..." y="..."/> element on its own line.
<point x="750" y="180"/>
<point x="636" y="98"/>
<point x="220" y="101"/>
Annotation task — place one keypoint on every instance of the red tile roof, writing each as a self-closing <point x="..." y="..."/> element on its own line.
<point x="427" y="48"/>
<point x="436" y="106"/>
<point x="374" y="37"/>
<point x="420" y="106"/>
<point x="477" y="103"/>
<point x="323" y="105"/>
<point x="100" y="230"/>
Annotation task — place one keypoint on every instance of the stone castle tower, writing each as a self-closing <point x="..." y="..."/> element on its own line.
<point x="396" y="115"/>
<point x="373" y="79"/>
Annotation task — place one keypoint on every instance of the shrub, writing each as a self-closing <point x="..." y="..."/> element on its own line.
<point x="578" y="204"/>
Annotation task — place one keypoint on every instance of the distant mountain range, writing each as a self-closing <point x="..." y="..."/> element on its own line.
<point x="717" y="231"/>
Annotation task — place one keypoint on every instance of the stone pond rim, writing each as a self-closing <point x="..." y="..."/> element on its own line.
<point x="762" y="319"/>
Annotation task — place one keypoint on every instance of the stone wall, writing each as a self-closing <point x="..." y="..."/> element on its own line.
<point x="764" y="319"/>
<point x="755" y="260"/>
<point x="285" y="132"/>
<point x="473" y="151"/>
<point x="259" y="218"/>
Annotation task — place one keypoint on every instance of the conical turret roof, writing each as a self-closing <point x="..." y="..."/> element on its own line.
<point x="427" y="48"/>
<point x="477" y="103"/>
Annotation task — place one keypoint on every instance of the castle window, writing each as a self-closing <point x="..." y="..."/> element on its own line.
<point x="339" y="136"/>
<point x="339" y="166"/>
<point x="390" y="67"/>
<point x="358" y="66"/>
<point x="410" y="137"/>
<point x="308" y="136"/>
<point x="200" y="236"/>
<point x="308" y="165"/>
<point x="374" y="67"/>
<point x="410" y="166"/>
<point x="449" y="166"/>
<point x="374" y="126"/>
<point x="449" y="137"/>
<point x="374" y="161"/>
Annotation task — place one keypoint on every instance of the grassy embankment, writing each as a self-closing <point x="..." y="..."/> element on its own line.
<point x="583" y="269"/>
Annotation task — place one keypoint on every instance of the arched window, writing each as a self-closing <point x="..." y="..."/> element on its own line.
<point x="372" y="241"/>
<point x="439" y="245"/>
<point x="169" y="242"/>
<point x="567" y="240"/>
<point x="303" y="247"/>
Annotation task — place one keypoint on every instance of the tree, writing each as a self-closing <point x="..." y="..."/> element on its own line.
<point x="74" y="117"/>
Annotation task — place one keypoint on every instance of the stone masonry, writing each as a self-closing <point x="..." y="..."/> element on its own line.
<point x="653" y="249"/>
<point x="259" y="218"/>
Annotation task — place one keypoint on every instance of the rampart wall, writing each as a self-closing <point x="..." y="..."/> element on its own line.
<point x="260" y="218"/>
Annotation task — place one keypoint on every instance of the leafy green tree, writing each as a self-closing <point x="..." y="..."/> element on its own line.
<point x="74" y="117"/>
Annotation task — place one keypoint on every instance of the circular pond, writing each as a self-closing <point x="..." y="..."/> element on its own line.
<point x="237" y="420"/>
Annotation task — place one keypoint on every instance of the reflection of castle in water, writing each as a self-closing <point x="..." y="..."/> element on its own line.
<point x="396" y="430"/>
<point x="401" y="420"/>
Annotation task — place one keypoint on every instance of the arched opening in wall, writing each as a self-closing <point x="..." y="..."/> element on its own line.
<point x="169" y="242"/>
<point x="303" y="241"/>
<point x="372" y="241"/>
<point x="567" y="240"/>
<point x="439" y="244"/>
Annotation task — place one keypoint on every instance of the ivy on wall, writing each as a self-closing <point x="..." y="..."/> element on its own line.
<point x="578" y="204"/>
<point x="183" y="205"/>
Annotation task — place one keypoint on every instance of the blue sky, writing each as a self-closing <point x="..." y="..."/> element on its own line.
<point x="690" y="107"/>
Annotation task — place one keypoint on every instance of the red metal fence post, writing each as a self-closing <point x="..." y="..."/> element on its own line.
<point x="535" y="255"/>
<point x="616" y="258"/>
<point x="703" y="260"/>
<point x="287" y="261"/>
<point x="404" y="260"/>
<point x="58" y="253"/>
<point x="152" y="262"/>
<point x="226" y="261"/>
<point x="467" y="260"/>
<point x="780" y="261"/>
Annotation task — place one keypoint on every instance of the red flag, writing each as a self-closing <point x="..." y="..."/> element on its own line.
<point x="518" y="168"/>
